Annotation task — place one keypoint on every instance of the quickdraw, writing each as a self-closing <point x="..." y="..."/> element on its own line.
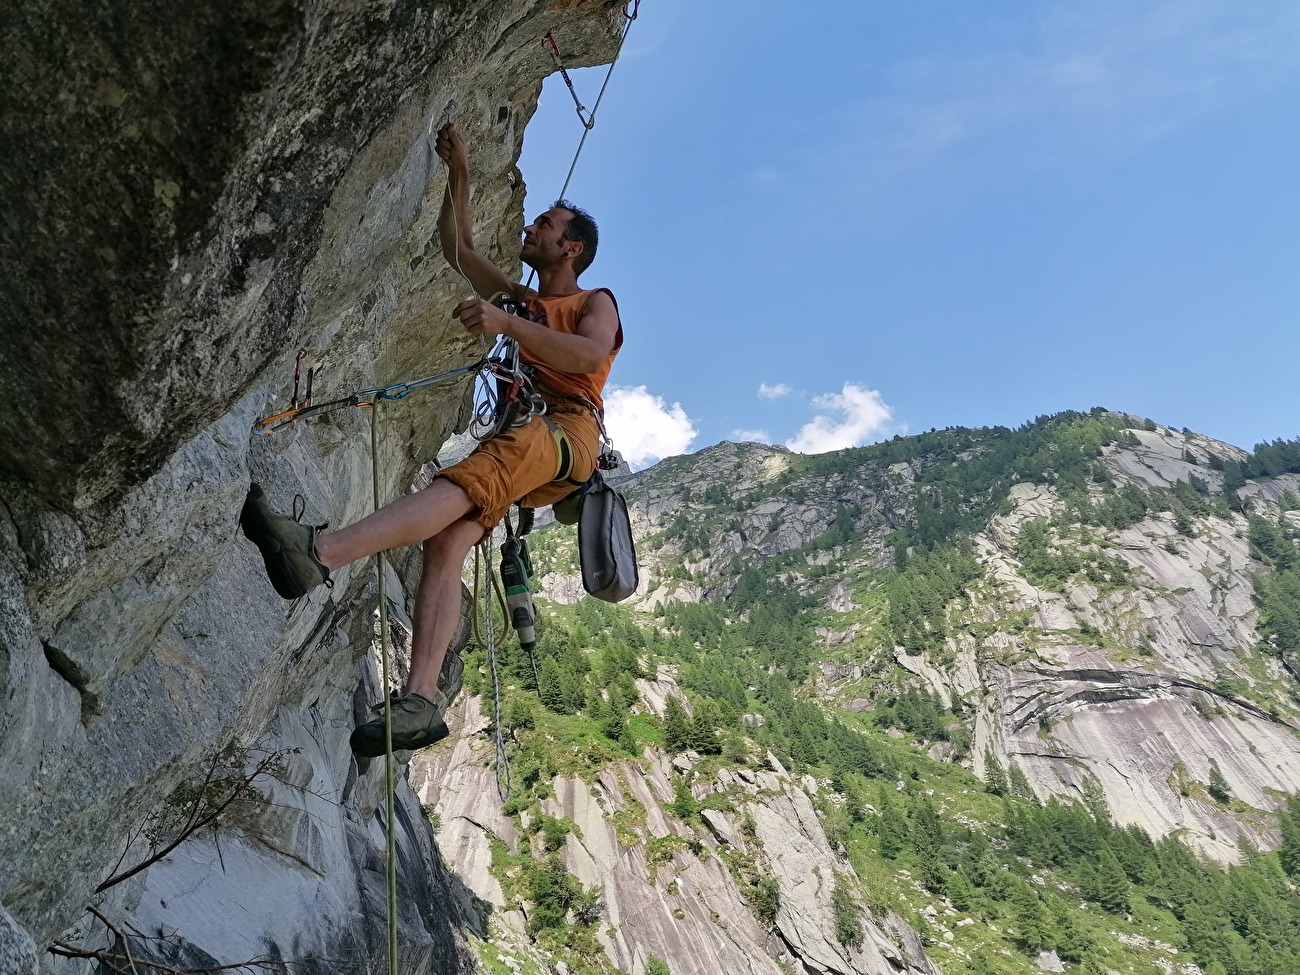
<point x="507" y="396"/>
<point x="361" y="399"/>
<point x="587" y="120"/>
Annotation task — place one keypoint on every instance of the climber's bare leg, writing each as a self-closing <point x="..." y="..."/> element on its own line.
<point x="410" y="519"/>
<point x="438" y="603"/>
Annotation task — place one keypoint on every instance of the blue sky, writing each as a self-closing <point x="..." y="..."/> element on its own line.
<point x="830" y="223"/>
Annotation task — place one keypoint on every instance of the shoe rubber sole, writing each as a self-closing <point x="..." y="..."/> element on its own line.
<point x="367" y="741"/>
<point x="279" y="569"/>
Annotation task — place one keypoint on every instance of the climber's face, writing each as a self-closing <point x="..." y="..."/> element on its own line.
<point x="544" y="244"/>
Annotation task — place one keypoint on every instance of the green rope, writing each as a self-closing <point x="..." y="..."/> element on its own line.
<point x="390" y="775"/>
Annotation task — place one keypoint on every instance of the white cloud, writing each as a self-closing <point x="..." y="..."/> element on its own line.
<point x="752" y="436"/>
<point x="774" y="391"/>
<point x="644" y="427"/>
<point x="857" y="414"/>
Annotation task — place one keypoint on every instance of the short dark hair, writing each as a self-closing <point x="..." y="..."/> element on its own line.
<point x="581" y="228"/>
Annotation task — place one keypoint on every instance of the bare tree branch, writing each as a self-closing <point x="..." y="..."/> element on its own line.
<point x="195" y="821"/>
<point x="121" y="938"/>
<point x="107" y="957"/>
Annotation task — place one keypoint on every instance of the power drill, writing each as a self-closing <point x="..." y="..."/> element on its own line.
<point x="516" y="570"/>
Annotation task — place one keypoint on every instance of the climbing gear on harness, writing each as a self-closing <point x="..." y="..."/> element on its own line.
<point x="506" y="395"/>
<point x="417" y="723"/>
<point x="287" y="546"/>
<point x="608" y="459"/>
<point x="516" y="571"/>
<point x="606" y="550"/>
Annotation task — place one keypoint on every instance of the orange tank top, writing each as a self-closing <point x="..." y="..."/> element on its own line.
<point x="561" y="313"/>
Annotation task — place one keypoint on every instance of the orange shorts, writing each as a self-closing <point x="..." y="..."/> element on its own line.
<point x="523" y="464"/>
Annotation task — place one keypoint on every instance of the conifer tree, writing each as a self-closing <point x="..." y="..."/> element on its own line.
<point x="960" y="890"/>
<point x="1072" y="942"/>
<point x="704" y="729"/>
<point x="553" y="692"/>
<point x="614" y="726"/>
<point x="1036" y="930"/>
<point x="1112" y="884"/>
<point x="893" y="827"/>
<point x="677" y="726"/>
<point x="1289" y="852"/>
<point x="1219" y="789"/>
<point x="995" y="777"/>
<point x="684" y="805"/>
<point x="1018" y="783"/>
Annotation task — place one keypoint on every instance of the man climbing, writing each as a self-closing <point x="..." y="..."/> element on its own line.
<point x="569" y="339"/>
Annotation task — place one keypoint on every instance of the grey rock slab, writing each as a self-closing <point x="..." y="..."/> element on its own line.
<point x="1049" y="961"/>
<point x="17" y="951"/>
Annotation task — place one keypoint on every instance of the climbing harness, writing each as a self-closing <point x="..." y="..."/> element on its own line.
<point x="507" y="394"/>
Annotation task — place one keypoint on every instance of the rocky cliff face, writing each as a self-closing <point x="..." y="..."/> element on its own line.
<point x="1144" y="689"/>
<point x="193" y="195"/>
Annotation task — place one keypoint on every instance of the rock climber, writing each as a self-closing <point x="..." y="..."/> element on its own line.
<point x="569" y="339"/>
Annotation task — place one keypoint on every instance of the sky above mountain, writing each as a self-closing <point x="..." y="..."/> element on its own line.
<point x="827" y="224"/>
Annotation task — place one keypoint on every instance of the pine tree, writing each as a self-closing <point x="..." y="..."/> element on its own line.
<point x="995" y="777"/>
<point x="961" y="891"/>
<point x="1219" y="789"/>
<point x="1112" y="884"/>
<point x="1019" y="783"/>
<point x="1072" y="942"/>
<point x="704" y="729"/>
<point x="614" y="727"/>
<point x="553" y="692"/>
<point x="684" y="805"/>
<point x="893" y="827"/>
<point x="1289" y="851"/>
<point x="1035" y="925"/>
<point x="677" y="726"/>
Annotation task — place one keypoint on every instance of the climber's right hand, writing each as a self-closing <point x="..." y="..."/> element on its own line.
<point x="451" y="149"/>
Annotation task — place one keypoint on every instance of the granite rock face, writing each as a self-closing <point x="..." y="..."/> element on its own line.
<point x="1144" y="689"/>
<point x="193" y="195"/>
<point x="17" y="953"/>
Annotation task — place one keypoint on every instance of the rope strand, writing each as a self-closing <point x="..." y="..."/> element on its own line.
<point x="588" y="125"/>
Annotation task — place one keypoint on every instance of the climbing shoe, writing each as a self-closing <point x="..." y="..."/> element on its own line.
<point x="417" y="723"/>
<point x="287" y="545"/>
